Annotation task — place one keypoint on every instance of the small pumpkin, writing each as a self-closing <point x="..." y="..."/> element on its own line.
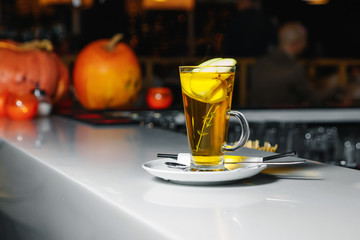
<point x="24" y="65"/>
<point x="107" y="75"/>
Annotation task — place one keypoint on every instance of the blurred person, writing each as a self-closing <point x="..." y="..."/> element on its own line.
<point x="354" y="86"/>
<point x="250" y="33"/>
<point x="279" y="80"/>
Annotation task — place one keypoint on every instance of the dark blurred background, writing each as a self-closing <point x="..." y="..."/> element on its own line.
<point x="167" y="33"/>
<point x="333" y="27"/>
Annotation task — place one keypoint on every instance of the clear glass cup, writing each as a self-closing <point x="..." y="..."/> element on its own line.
<point x="207" y="95"/>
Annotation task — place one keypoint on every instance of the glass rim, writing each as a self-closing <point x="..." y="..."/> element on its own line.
<point x="190" y="66"/>
<point x="213" y="69"/>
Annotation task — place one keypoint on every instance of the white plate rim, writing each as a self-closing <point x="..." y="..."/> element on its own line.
<point x="178" y="176"/>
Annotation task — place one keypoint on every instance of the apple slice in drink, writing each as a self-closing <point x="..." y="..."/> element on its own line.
<point x="202" y="86"/>
<point x="208" y="86"/>
<point x="225" y="65"/>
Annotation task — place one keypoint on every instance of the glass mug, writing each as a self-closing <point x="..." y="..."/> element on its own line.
<point x="207" y="95"/>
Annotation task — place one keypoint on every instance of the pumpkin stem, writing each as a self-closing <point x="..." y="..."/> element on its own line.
<point x="45" y="45"/>
<point x="110" y="46"/>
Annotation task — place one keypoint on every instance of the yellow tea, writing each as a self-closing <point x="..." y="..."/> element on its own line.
<point x="207" y="101"/>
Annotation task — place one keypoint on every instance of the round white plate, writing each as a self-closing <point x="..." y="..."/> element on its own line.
<point x="159" y="169"/>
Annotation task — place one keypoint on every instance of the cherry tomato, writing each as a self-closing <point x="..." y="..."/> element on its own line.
<point x="21" y="106"/>
<point x="159" y="97"/>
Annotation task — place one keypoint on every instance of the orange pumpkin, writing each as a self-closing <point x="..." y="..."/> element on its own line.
<point x="3" y="99"/>
<point x="24" y="65"/>
<point x="107" y="75"/>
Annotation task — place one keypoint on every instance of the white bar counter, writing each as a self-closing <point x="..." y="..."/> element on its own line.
<point x="62" y="179"/>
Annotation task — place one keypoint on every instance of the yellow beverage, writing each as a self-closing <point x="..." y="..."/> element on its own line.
<point x="207" y="101"/>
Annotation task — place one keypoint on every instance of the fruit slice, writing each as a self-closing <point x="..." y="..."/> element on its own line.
<point x="206" y="63"/>
<point x="208" y="84"/>
<point x="203" y="86"/>
<point x="223" y="62"/>
<point x="219" y="94"/>
<point x="228" y="63"/>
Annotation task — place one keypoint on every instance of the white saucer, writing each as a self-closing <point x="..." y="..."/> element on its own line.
<point x="159" y="169"/>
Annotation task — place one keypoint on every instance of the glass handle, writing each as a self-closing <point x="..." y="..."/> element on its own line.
<point x="245" y="131"/>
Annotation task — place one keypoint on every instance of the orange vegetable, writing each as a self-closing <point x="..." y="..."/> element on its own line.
<point x="21" y="106"/>
<point x="3" y="99"/>
<point x="159" y="97"/>
<point x="24" y="65"/>
<point x="107" y="75"/>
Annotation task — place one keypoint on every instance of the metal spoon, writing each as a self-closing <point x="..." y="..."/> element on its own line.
<point x="176" y="165"/>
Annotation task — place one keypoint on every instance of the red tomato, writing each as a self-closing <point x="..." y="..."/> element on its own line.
<point x="159" y="97"/>
<point x="21" y="106"/>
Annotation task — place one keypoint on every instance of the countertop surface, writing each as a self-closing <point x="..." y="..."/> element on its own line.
<point x="62" y="179"/>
